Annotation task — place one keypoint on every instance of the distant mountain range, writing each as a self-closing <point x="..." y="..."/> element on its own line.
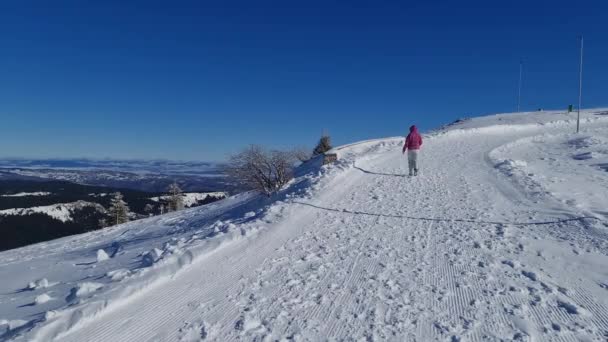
<point x="43" y="199"/>
<point x="144" y="175"/>
<point x="134" y="165"/>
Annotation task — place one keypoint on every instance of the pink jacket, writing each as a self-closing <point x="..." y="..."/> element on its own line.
<point x="413" y="140"/>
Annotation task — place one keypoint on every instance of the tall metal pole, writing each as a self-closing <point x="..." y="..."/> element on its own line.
<point x="521" y="64"/>
<point x="580" y="89"/>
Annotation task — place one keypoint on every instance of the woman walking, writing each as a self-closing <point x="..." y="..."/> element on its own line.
<point x="412" y="145"/>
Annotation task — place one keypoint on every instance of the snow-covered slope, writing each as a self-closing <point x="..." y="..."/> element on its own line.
<point x="503" y="236"/>
<point x="24" y="194"/>
<point x="60" y="211"/>
<point x="192" y="198"/>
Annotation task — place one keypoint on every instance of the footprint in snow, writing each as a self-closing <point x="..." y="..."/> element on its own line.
<point x="508" y="263"/>
<point x="530" y="275"/>
<point x="568" y="307"/>
<point x="196" y="332"/>
<point x="249" y="324"/>
<point x="556" y="327"/>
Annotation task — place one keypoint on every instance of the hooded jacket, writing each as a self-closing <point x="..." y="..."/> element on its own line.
<point x="413" y="141"/>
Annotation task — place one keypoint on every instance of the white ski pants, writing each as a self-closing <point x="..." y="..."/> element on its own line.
<point x="412" y="160"/>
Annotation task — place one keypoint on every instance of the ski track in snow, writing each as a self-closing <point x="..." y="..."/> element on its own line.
<point x="329" y="267"/>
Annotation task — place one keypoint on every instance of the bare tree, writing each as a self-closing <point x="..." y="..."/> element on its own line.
<point x="323" y="146"/>
<point x="258" y="169"/>
<point x="176" y="199"/>
<point x="119" y="210"/>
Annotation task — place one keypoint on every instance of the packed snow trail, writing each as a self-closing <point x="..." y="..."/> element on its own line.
<point x="460" y="252"/>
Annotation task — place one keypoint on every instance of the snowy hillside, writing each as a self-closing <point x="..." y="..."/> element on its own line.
<point x="60" y="211"/>
<point x="192" y="198"/>
<point x="24" y="194"/>
<point x="503" y="236"/>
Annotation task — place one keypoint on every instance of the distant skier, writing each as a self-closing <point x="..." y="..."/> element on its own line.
<point x="412" y="145"/>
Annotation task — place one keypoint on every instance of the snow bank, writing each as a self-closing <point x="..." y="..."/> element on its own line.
<point x="567" y="167"/>
<point x="158" y="266"/>
<point x="8" y="325"/>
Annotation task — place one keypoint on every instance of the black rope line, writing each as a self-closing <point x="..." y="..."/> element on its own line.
<point x="378" y="173"/>
<point x="540" y="223"/>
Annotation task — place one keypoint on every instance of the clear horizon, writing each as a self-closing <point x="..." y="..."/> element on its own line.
<point x="197" y="81"/>
<point x="135" y="159"/>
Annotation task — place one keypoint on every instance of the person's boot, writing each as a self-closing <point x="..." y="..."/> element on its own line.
<point x="415" y="172"/>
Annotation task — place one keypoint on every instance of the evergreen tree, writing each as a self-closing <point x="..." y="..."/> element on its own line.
<point x="149" y="209"/>
<point x="119" y="210"/>
<point x="102" y="223"/>
<point x="176" y="199"/>
<point x="323" y="146"/>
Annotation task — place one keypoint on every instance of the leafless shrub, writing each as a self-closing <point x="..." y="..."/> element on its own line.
<point x="259" y="169"/>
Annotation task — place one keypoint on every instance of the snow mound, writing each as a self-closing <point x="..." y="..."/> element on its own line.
<point x="102" y="255"/>
<point x="83" y="290"/>
<point x="38" y="284"/>
<point x="118" y="275"/>
<point x="41" y="299"/>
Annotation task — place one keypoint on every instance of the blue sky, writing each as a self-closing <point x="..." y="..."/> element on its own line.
<point x="199" y="80"/>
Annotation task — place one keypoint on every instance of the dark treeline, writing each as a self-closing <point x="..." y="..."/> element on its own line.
<point x="22" y="230"/>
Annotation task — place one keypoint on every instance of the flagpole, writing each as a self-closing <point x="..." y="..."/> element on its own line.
<point x="580" y="89"/>
<point x="521" y="64"/>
